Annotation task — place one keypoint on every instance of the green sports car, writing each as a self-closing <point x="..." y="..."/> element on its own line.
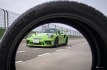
<point x="50" y="37"/>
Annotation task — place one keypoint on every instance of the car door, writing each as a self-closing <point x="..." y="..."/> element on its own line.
<point x="61" y="37"/>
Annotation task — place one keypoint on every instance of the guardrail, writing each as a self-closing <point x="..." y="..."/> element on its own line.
<point x="7" y="18"/>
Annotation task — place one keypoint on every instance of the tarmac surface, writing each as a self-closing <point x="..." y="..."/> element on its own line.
<point x="75" y="56"/>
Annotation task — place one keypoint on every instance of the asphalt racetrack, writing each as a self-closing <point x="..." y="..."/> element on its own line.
<point x="75" y="56"/>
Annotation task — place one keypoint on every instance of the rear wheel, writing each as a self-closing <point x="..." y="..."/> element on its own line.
<point x="66" y="41"/>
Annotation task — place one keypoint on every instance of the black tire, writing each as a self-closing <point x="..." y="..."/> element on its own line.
<point x="91" y="23"/>
<point x="66" y="42"/>
<point x="56" y="43"/>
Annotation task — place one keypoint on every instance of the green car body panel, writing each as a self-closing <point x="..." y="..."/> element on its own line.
<point x="46" y="38"/>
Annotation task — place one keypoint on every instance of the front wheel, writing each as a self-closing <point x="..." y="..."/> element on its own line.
<point x="56" y="43"/>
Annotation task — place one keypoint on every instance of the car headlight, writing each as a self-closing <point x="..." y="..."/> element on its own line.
<point x="50" y="36"/>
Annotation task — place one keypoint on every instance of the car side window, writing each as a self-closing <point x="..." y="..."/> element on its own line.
<point x="52" y="31"/>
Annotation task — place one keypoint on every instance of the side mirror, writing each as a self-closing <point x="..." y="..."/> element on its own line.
<point x="36" y="33"/>
<point x="61" y="33"/>
<point x="58" y="32"/>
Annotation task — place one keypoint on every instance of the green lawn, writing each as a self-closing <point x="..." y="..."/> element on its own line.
<point x="1" y="32"/>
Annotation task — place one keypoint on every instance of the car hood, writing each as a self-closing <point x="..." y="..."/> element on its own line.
<point x="42" y="35"/>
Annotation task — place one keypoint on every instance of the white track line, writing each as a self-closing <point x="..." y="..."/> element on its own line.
<point x="18" y="61"/>
<point x="44" y="54"/>
<point x="59" y="50"/>
<point x="20" y="51"/>
<point x="68" y="47"/>
<point x="36" y="48"/>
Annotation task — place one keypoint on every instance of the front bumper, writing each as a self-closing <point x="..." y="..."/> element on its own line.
<point x="42" y="43"/>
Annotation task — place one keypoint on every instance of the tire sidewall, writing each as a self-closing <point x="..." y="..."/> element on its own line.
<point x="13" y="36"/>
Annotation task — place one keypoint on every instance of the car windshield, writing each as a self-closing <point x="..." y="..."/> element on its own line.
<point x="48" y="31"/>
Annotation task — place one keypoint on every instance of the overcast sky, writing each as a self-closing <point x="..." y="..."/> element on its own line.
<point x="20" y="6"/>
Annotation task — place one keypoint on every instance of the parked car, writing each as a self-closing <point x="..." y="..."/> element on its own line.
<point x="50" y="37"/>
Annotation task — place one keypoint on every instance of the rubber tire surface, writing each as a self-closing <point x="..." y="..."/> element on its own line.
<point x="93" y="26"/>
<point x="66" y="42"/>
<point x="56" y="43"/>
